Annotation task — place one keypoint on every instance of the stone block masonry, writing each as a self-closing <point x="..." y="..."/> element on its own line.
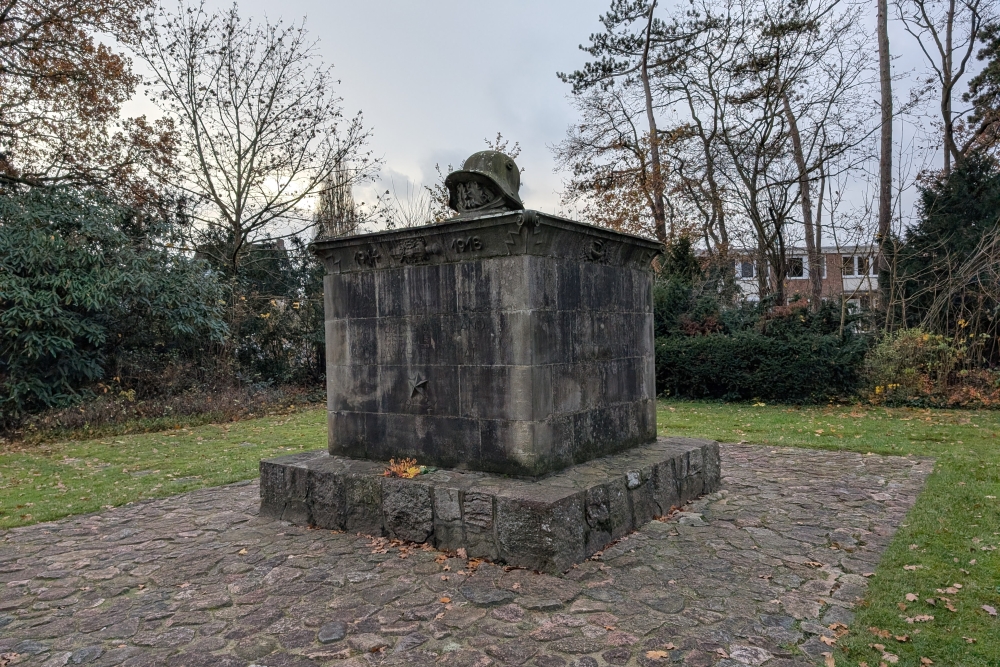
<point x="543" y="524"/>
<point x="515" y="343"/>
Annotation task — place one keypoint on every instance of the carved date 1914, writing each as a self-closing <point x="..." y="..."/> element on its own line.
<point x="465" y="245"/>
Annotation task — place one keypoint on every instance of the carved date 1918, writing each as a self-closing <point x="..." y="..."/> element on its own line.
<point x="465" y="245"/>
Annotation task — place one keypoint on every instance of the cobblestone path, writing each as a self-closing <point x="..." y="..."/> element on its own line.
<point x="748" y="576"/>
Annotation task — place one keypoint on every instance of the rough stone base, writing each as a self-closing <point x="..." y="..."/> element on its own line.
<point x="546" y="524"/>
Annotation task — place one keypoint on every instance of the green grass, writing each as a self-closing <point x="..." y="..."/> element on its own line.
<point x="954" y="520"/>
<point x="48" y="481"/>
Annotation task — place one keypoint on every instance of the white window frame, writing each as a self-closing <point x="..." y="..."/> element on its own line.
<point x="805" y="268"/>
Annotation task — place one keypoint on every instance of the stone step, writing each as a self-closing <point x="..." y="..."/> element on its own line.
<point x="545" y="524"/>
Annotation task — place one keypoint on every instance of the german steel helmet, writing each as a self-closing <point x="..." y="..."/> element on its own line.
<point x="492" y="170"/>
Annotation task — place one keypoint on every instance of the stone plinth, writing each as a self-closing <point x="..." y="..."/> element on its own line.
<point x="543" y="524"/>
<point x="515" y="343"/>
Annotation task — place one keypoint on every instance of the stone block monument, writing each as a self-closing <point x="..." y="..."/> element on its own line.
<point x="514" y="351"/>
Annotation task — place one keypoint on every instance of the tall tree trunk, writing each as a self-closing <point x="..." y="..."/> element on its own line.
<point x="948" y="84"/>
<point x="815" y="256"/>
<point x="659" y="208"/>
<point x="885" y="149"/>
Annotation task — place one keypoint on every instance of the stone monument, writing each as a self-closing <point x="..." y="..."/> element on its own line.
<point x="513" y="351"/>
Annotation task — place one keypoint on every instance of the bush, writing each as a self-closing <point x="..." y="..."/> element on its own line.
<point x="81" y="285"/>
<point x="751" y="365"/>
<point x="706" y="347"/>
<point x="917" y="368"/>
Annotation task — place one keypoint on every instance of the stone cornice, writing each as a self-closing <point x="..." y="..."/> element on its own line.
<point x="498" y="235"/>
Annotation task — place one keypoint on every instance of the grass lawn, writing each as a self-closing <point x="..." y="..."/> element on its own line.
<point x="952" y="534"/>
<point x="47" y="481"/>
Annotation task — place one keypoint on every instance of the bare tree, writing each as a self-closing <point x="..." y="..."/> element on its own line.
<point x="632" y="51"/>
<point x="885" y="127"/>
<point x="263" y="129"/>
<point x="608" y="154"/>
<point x="946" y="31"/>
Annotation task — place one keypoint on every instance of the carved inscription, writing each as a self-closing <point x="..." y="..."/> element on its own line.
<point x="465" y="245"/>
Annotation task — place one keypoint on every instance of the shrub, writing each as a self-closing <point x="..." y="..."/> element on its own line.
<point x="915" y="367"/>
<point x="751" y="365"/>
<point x="79" y="286"/>
<point x="707" y="349"/>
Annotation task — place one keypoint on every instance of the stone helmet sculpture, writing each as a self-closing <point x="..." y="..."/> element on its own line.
<point x="488" y="181"/>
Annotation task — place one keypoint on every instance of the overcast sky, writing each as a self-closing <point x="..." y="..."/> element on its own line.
<point x="434" y="78"/>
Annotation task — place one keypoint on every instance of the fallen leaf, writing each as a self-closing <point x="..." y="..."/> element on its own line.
<point x="867" y="575"/>
<point x="462" y="554"/>
<point x="814" y="563"/>
<point x="829" y="641"/>
<point x="901" y="605"/>
<point x="828" y="660"/>
<point x="989" y="610"/>
<point x="878" y="647"/>
<point x="891" y="658"/>
<point x="884" y="634"/>
<point x="444" y="577"/>
<point x="957" y="585"/>
<point x="919" y="619"/>
<point x="242" y="552"/>
<point x="721" y="653"/>
<point x="839" y="629"/>
<point x="969" y="640"/>
<point x="911" y="597"/>
<point x="902" y="638"/>
<point x="950" y="607"/>
<point x="912" y="547"/>
<point x="444" y="600"/>
<point x="912" y="567"/>
<point x="926" y="661"/>
<point x="670" y="646"/>
<point x="930" y="601"/>
<point x="657" y="655"/>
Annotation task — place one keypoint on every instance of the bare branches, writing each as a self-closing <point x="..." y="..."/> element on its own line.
<point x="264" y="131"/>
<point x="946" y="32"/>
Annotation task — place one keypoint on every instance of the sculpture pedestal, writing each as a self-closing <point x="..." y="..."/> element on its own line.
<point x="517" y="343"/>
<point x="545" y="524"/>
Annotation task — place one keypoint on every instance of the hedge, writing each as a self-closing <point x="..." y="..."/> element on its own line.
<point x="749" y="365"/>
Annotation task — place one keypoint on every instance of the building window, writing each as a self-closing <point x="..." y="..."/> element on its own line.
<point x="795" y="267"/>
<point x="859" y="265"/>
<point x="746" y="269"/>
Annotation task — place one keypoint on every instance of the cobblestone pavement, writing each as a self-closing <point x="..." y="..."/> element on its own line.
<point x="751" y="575"/>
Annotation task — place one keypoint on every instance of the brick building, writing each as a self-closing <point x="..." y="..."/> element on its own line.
<point x="848" y="271"/>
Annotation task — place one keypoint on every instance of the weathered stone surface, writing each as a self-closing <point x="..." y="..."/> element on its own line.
<point x="517" y="343"/>
<point x="545" y="524"/>
<point x="332" y="632"/>
<point x="700" y="588"/>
